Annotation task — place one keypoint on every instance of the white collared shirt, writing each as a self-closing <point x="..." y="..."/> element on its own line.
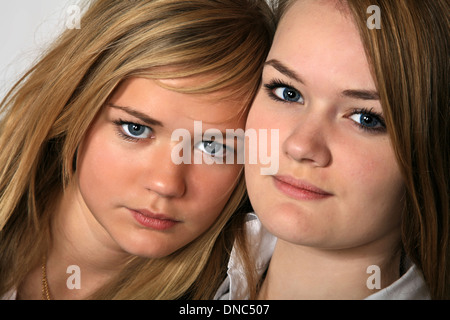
<point x="10" y="295"/>
<point x="411" y="286"/>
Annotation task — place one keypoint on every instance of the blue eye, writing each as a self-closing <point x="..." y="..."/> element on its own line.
<point x="288" y="94"/>
<point x="368" y="120"/>
<point x="133" y="131"/>
<point x="365" y="120"/>
<point x="213" y="148"/>
<point x="279" y="91"/>
<point x="136" y="130"/>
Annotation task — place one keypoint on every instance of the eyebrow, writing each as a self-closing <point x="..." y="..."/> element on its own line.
<point x="361" y="94"/>
<point x="152" y="122"/>
<point x="355" y="94"/>
<point x="142" y="116"/>
<point x="280" y="67"/>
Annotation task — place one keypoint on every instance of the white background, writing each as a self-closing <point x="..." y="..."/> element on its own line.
<point x="26" y="28"/>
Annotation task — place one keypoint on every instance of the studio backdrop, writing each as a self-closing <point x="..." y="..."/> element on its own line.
<point x="26" y="29"/>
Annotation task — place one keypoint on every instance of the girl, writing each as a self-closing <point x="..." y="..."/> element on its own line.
<point x="359" y="207"/>
<point x="88" y="184"/>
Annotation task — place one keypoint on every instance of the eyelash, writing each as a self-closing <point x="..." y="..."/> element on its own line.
<point x="226" y="150"/>
<point x="275" y="84"/>
<point x="119" y="123"/>
<point x="377" y="116"/>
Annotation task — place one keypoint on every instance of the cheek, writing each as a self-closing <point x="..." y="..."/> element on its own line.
<point x="258" y="116"/>
<point x="100" y="169"/>
<point x="371" y="168"/>
<point x="372" y="186"/>
<point x="256" y="187"/>
<point x="208" y="197"/>
<point x="262" y="122"/>
<point x="213" y="186"/>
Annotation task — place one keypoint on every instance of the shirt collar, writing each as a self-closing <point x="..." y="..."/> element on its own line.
<point x="411" y="286"/>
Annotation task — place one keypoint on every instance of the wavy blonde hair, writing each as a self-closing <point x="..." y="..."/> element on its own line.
<point x="48" y="112"/>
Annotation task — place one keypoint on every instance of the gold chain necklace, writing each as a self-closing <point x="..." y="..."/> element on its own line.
<point x="45" y="290"/>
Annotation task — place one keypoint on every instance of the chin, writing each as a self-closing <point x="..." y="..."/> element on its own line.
<point x="151" y="253"/>
<point x="291" y="223"/>
<point x="146" y="247"/>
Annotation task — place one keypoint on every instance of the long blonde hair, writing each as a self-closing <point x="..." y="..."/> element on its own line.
<point x="47" y="113"/>
<point x="409" y="57"/>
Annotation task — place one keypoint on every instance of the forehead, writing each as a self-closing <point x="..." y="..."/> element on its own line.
<point x="153" y="98"/>
<point x="318" y="36"/>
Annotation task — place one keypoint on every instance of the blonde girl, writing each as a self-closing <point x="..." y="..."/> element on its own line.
<point x="86" y="173"/>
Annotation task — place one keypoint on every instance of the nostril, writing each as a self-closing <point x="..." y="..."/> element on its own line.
<point x="167" y="186"/>
<point x="308" y="148"/>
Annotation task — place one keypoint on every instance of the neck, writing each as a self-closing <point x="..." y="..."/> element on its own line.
<point x="82" y="252"/>
<point x="299" y="272"/>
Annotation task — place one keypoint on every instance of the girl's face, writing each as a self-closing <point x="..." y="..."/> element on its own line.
<point x="128" y="182"/>
<point x="338" y="184"/>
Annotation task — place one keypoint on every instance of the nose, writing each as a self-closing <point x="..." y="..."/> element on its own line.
<point x="308" y="143"/>
<point x="164" y="177"/>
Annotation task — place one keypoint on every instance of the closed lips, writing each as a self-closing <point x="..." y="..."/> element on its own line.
<point x="299" y="189"/>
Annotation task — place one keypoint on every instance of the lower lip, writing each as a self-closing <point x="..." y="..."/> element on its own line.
<point x="298" y="193"/>
<point x="153" y="223"/>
